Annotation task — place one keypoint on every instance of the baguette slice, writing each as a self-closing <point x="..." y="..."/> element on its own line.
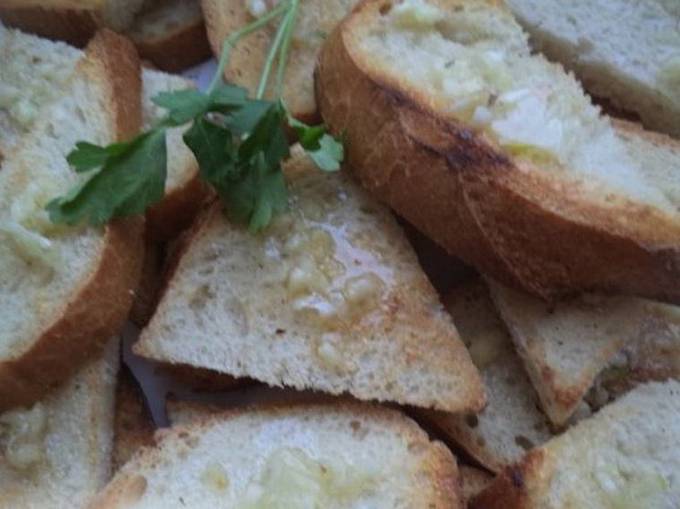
<point x="294" y="456"/>
<point x="566" y="347"/>
<point x="67" y="20"/>
<point x="595" y="40"/>
<point x="57" y="454"/>
<point x="316" y="19"/>
<point x="494" y="152"/>
<point x="65" y="291"/>
<point x="36" y="72"/>
<point x="329" y="298"/>
<point x="511" y="423"/>
<point x="624" y="456"/>
<point x="171" y="34"/>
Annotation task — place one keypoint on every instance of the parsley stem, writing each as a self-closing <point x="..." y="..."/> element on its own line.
<point x="273" y="51"/>
<point x="285" y="47"/>
<point x="233" y="38"/>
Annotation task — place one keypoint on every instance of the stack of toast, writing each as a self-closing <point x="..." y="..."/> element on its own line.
<point x="521" y="157"/>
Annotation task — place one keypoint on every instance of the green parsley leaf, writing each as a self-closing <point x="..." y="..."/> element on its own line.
<point x="87" y="156"/>
<point x="268" y="137"/>
<point x="214" y="150"/>
<point x="183" y="105"/>
<point x="329" y="154"/>
<point x="326" y="152"/>
<point x="228" y="96"/>
<point x="244" y="120"/>
<point x="258" y="195"/>
<point x="127" y="184"/>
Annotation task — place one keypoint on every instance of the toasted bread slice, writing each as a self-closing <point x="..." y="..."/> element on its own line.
<point x="474" y="480"/>
<point x="494" y="152"/>
<point x="594" y="40"/>
<point x="68" y="20"/>
<point x="65" y="291"/>
<point x="329" y="298"/>
<point x="57" y="454"/>
<point x="624" y="456"/>
<point x="36" y="72"/>
<point x="303" y="456"/>
<point x="511" y="422"/>
<point x="566" y="346"/>
<point x="171" y="34"/>
<point x="316" y="19"/>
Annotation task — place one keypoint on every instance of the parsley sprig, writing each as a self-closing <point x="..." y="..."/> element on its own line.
<point x="239" y="142"/>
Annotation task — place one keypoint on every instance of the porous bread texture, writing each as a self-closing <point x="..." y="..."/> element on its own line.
<point x="628" y="52"/>
<point x="234" y="459"/>
<point x="625" y="456"/>
<point x="34" y="72"/>
<point x="330" y="298"/>
<point x="477" y="67"/>
<point x="316" y="19"/>
<point x="171" y="34"/>
<point x="494" y="152"/>
<point x="565" y="346"/>
<point x="511" y="423"/>
<point x="65" y="290"/>
<point x="77" y="443"/>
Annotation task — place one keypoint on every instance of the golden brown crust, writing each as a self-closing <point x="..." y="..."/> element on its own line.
<point x="75" y="26"/>
<point x="100" y="305"/>
<point x="455" y="186"/>
<point x="511" y="489"/>
<point x="439" y="465"/>
<point x="177" y="50"/>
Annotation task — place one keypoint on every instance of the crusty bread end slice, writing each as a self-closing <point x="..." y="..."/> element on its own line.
<point x="494" y="152"/>
<point x="345" y="455"/>
<point x="624" y="456"/>
<point x="65" y="291"/>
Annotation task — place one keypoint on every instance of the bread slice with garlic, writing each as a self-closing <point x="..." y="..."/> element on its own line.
<point x="626" y="456"/>
<point x="35" y="72"/>
<point x="330" y="297"/>
<point x="57" y="452"/>
<point x="345" y="455"/>
<point x="495" y="152"/>
<point x="594" y="40"/>
<point x="592" y="341"/>
<point x="316" y="19"/>
<point x="511" y="422"/>
<point x="65" y="291"/>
